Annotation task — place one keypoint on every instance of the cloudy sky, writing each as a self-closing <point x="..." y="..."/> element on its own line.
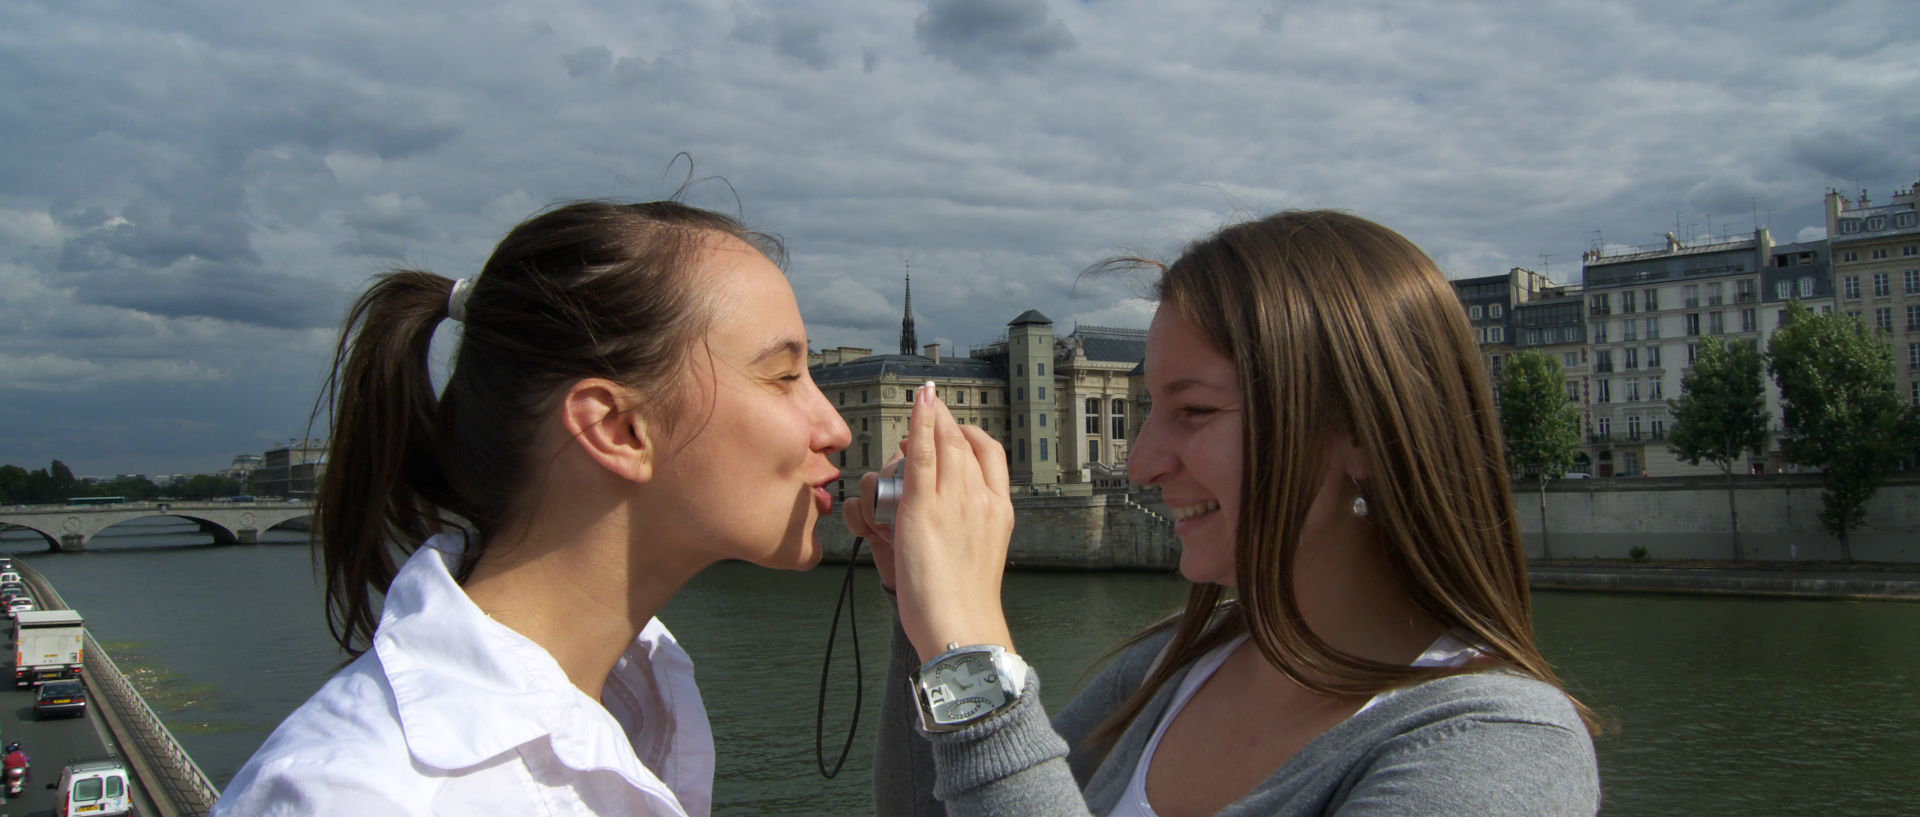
<point x="191" y="191"/>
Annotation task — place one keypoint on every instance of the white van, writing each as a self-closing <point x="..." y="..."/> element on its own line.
<point x="93" y="787"/>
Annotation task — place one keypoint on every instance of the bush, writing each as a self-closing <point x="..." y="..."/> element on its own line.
<point x="1638" y="553"/>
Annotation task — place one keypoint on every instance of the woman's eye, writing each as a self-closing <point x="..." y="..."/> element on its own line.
<point x="1196" y="411"/>
<point x="789" y="378"/>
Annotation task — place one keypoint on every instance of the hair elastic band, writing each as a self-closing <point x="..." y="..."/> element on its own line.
<point x="457" y="299"/>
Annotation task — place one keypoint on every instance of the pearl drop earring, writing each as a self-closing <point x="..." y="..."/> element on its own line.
<point x="1360" y="507"/>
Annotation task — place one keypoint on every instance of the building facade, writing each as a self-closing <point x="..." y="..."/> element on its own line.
<point x="291" y="471"/>
<point x="1061" y="406"/>
<point x="1876" y="274"/>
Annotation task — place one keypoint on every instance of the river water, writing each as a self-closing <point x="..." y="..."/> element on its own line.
<point x="1722" y="705"/>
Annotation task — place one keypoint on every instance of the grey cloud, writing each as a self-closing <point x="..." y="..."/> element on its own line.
<point x="869" y="59"/>
<point x="986" y="34"/>
<point x="588" y="62"/>
<point x="1852" y="152"/>
<point x="229" y="292"/>
<point x="796" y="37"/>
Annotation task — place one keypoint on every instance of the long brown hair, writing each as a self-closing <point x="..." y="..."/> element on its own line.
<point x="589" y="289"/>
<point x="1335" y="322"/>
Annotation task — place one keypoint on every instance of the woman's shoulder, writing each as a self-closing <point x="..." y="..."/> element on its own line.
<point x="341" y="745"/>
<point x="1495" y="695"/>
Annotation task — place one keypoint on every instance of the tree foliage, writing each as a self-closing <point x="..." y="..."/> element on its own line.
<point x="56" y="483"/>
<point x="1541" y="426"/>
<point x="1842" y="411"/>
<point x="1722" y="412"/>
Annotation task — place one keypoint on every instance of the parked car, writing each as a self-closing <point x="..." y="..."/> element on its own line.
<point x="60" y="698"/>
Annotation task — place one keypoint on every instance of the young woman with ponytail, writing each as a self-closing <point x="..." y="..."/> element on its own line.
<point x="629" y="404"/>
<point x="1358" y="639"/>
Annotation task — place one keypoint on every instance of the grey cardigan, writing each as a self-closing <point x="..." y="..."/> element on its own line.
<point x="1485" y="743"/>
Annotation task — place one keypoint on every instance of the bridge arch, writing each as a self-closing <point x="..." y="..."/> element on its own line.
<point x="70" y="528"/>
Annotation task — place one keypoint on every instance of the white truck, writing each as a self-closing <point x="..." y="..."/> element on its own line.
<point x="46" y="646"/>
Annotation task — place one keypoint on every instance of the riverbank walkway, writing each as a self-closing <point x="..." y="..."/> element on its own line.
<point x="1898" y="582"/>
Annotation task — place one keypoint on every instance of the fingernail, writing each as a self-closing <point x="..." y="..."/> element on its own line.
<point x="926" y="391"/>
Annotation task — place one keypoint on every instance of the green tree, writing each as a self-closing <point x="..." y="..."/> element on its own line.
<point x="1541" y="426"/>
<point x="1841" y="409"/>
<point x="64" y="483"/>
<point x="13" y="484"/>
<point x="1722" y="413"/>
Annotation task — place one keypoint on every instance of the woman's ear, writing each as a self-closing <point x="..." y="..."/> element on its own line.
<point x="598" y="419"/>
<point x="1350" y="459"/>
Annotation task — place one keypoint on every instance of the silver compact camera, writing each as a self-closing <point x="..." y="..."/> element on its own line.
<point x="886" y="496"/>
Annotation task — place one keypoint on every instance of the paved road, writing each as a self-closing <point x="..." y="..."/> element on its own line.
<point x="51" y="744"/>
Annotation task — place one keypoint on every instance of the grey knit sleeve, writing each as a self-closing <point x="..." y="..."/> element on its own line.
<point x="1480" y="766"/>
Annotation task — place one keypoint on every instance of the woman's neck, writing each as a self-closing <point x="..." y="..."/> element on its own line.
<point x="574" y="580"/>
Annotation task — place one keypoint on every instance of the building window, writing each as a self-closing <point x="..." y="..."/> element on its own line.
<point x="1603" y="360"/>
<point x="1690" y="296"/>
<point x="1883" y="318"/>
<point x="1019" y="370"/>
<point x="1633" y="426"/>
<point x="1633" y="462"/>
<point x="1749" y="320"/>
<point x="1119" y="427"/>
<point x="1913" y="392"/>
<point x="1849" y="225"/>
<point x="1882" y="284"/>
<point x="983" y="398"/>
<point x="1093" y="451"/>
<point x="1849" y="257"/>
<point x="1879" y="254"/>
<point x="1716" y="322"/>
<point x="1633" y="358"/>
<point x="1693" y="351"/>
<point x="863" y="395"/>
<point x="1570" y="360"/>
<point x="1019" y="393"/>
<point x="1626" y="301"/>
<point x="866" y="454"/>
<point x="1043" y="448"/>
<point x="1653" y="328"/>
<point x="1604" y="392"/>
<point x="1020" y="420"/>
<point x="1783" y="289"/>
<point x="1653" y="299"/>
<point x="1659" y="427"/>
<point x="1605" y="424"/>
<point x="1496" y="334"/>
<point x="1910" y="249"/>
<point x="1653" y="388"/>
<point x="1043" y="420"/>
<point x="1495" y="310"/>
<point x="1600" y="305"/>
<point x="1713" y="294"/>
<point x="1022" y="446"/>
<point x="1093" y="422"/>
<point x="1693" y="324"/>
<point x="1806" y="286"/>
<point x="1913" y="318"/>
<point x="1653" y="357"/>
<point x="1633" y="390"/>
<point x="863" y="424"/>
<point x="843" y="398"/>
<point x="1913" y="282"/>
<point x="1040" y="392"/>
<point x="959" y="396"/>
<point x="843" y="458"/>
<point x="1629" y="329"/>
<point x="1040" y="369"/>
<point x="1573" y="391"/>
<point x="1913" y="356"/>
<point x="1600" y="332"/>
<point x="1473" y="312"/>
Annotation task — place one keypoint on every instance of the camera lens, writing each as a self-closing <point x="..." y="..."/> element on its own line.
<point x="886" y="498"/>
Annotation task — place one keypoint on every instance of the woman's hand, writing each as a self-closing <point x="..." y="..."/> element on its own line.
<point x="858" y="513"/>
<point x="950" y="533"/>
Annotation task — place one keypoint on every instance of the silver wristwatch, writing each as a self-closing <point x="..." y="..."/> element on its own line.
<point x="964" y="685"/>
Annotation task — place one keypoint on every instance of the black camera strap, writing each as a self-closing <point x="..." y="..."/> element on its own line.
<point x="845" y="600"/>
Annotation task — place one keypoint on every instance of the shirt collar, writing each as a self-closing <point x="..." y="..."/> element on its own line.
<point x="447" y="661"/>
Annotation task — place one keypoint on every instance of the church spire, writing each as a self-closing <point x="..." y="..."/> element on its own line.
<point x="909" y="343"/>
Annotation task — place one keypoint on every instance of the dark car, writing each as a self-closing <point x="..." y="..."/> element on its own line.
<point x="60" y="698"/>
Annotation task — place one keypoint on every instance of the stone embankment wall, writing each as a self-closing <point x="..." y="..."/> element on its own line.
<point x="1687" y="518"/>
<point x="1099" y="532"/>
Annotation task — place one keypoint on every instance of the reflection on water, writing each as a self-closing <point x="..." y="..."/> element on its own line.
<point x="1726" y="706"/>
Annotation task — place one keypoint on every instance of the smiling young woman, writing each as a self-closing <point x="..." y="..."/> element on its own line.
<point x="1324" y="433"/>
<point x="629" y="404"/>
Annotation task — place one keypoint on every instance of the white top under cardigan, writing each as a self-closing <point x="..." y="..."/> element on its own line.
<point x="452" y="713"/>
<point x="1447" y="651"/>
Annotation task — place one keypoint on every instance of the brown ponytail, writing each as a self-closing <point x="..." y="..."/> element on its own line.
<point x="590" y="289"/>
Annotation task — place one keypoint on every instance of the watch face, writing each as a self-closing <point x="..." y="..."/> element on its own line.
<point x="964" y="687"/>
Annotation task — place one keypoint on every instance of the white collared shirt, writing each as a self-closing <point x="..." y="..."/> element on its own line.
<point x="452" y="713"/>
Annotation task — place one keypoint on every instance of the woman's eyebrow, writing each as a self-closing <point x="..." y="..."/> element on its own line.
<point x="787" y="346"/>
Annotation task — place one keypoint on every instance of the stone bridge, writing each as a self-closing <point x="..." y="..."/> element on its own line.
<point x="69" y="527"/>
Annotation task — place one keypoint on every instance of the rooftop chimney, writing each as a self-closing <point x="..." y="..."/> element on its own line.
<point x="932" y="350"/>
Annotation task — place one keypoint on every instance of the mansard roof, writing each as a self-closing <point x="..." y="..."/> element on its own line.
<point x="909" y="367"/>
<point x="1110" y="344"/>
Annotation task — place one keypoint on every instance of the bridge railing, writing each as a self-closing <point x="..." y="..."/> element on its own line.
<point x="177" y="785"/>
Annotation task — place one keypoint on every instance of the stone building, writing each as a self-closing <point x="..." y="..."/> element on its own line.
<point x="1647" y="311"/>
<point x="291" y="471"/>
<point x="1490" y="301"/>
<point x="1554" y="322"/>
<point x="1060" y="405"/>
<point x="1876" y="274"/>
